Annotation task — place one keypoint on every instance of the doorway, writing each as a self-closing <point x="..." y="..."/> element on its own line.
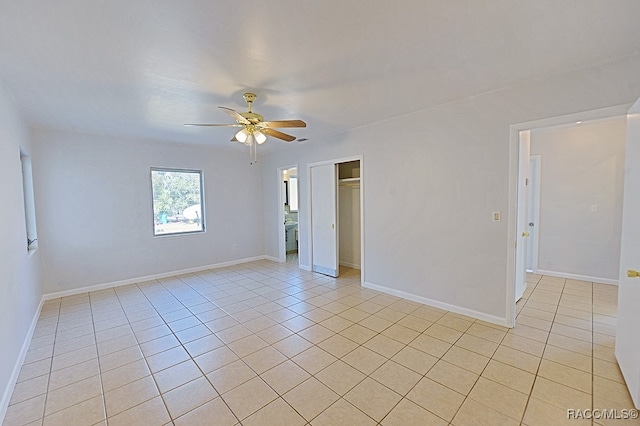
<point x="288" y="214"/>
<point x="349" y="214"/>
<point x="525" y="172"/>
<point x="336" y="215"/>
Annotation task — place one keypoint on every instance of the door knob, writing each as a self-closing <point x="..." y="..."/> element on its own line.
<point x="525" y="234"/>
<point x="633" y="274"/>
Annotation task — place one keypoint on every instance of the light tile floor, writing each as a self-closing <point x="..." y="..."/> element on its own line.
<point x="269" y="344"/>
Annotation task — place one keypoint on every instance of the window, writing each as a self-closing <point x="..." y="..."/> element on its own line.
<point x="178" y="206"/>
<point x="29" y="204"/>
<point x="293" y="194"/>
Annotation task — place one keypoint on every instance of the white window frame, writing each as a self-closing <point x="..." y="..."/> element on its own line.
<point x="29" y="202"/>
<point x="293" y="194"/>
<point x="202" y="201"/>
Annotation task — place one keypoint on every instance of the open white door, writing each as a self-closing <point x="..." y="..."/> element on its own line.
<point x="522" y="223"/>
<point x="628" y="326"/>
<point x="533" y="216"/>
<point x="324" y="227"/>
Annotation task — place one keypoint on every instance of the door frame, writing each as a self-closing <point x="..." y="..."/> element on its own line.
<point x="282" y="245"/>
<point x="522" y="193"/>
<point x="627" y="341"/>
<point x="514" y="131"/>
<point x="336" y="161"/>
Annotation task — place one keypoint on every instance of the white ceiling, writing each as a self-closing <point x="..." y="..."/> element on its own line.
<point x="144" y="67"/>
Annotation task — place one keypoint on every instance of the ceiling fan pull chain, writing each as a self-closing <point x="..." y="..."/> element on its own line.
<point x="253" y="151"/>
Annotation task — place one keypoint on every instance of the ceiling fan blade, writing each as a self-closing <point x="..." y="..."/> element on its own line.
<point x="277" y="134"/>
<point x="233" y="139"/>
<point x="236" y="115"/>
<point x="213" y="125"/>
<point x="285" y="123"/>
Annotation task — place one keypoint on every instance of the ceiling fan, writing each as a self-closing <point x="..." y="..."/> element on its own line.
<point x="254" y="129"/>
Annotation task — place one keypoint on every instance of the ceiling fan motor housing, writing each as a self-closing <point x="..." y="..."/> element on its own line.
<point x="252" y="117"/>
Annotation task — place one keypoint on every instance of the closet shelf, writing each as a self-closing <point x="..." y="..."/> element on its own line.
<point x="345" y="180"/>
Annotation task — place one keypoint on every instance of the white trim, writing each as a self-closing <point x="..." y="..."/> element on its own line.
<point x="274" y="259"/>
<point x="112" y="284"/>
<point x="362" y="233"/>
<point x="521" y="243"/>
<point x="350" y="265"/>
<point x="441" y="305"/>
<point x="305" y="267"/>
<point x="337" y="161"/>
<point x="282" y="249"/>
<point x="11" y="384"/>
<point x="578" y="277"/>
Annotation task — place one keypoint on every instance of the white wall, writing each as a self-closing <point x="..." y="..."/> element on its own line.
<point x="20" y="291"/>
<point x="582" y="168"/>
<point x="432" y="179"/>
<point x="95" y="219"/>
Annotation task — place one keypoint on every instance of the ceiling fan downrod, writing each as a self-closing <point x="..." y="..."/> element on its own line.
<point x="249" y="98"/>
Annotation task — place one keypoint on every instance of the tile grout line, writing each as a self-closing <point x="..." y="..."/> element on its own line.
<point x="331" y="292"/>
<point x="190" y="358"/>
<point x="46" y="397"/>
<point x="102" y="393"/>
<point x="535" y="376"/>
<point x="315" y="345"/>
<point x="225" y="345"/>
<point x="143" y="356"/>
<point x="240" y="359"/>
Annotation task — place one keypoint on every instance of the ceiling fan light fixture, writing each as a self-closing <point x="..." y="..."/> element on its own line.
<point x="254" y="129"/>
<point x="259" y="137"/>
<point x="242" y="135"/>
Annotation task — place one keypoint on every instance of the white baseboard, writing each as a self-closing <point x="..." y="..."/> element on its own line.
<point x="274" y="259"/>
<point x="112" y="284"/>
<point x="437" y="304"/>
<point x="6" y="396"/>
<point x="577" y="277"/>
<point x="305" y="267"/>
<point x="349" y="265"/>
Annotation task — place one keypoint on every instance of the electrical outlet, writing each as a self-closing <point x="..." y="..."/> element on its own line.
<point x="234" y="248"/>
<point x="496" y="216"/>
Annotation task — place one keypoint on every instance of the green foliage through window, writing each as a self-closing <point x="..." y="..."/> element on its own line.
<point x="177" y="201"/>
